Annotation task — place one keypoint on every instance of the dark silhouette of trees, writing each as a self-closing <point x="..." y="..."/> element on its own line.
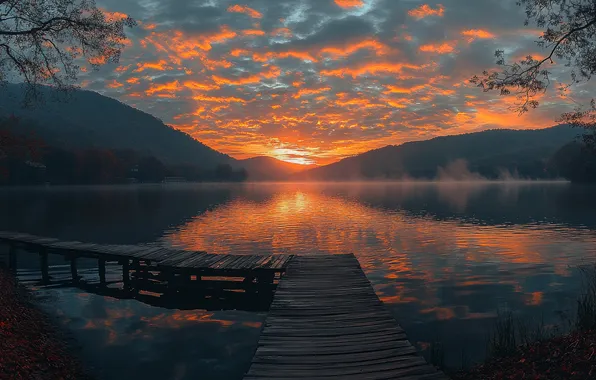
<point x="61" y="166"/>
<point x="576" y="162"/>
<point x="223" y="172"/>
<point x="151" y="170"/>
<point x="570" y="37"/>
<point x="43" y="41"/>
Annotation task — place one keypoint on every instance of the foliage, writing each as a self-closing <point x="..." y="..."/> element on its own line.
<point x="570" y="37"/>
<point x="43" y="41"/>
<point x="586" y="304"/>
<point x="569" y="357"/>
<point x="31" y="347"/>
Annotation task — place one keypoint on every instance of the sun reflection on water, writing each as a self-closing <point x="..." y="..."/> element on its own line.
<point x="422" y="247"/>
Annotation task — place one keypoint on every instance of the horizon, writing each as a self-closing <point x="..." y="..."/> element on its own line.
<point x="313" y="82"/>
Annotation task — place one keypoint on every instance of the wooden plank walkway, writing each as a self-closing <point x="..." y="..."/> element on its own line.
<point x="157" y="256"/>
<point x="326" y="322"/>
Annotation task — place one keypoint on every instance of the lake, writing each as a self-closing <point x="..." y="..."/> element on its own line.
<point x="445" y="257"/>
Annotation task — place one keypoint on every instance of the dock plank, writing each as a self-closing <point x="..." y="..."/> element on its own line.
<point x="326" y="322"/>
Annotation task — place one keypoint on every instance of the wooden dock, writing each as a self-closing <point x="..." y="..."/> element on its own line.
<point x="161" y="276"/>
<point x="326" y="322"/>
<point x="159" y="256"/>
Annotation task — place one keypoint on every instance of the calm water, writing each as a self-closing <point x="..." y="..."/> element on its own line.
<point x="444" y="257"/>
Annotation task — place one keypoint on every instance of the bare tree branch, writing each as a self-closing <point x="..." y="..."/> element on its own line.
<point x="43" y="41"/>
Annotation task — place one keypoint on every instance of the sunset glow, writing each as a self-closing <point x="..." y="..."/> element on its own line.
<point x="315" y="82"/>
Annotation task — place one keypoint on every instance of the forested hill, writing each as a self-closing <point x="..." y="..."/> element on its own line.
<point x="490" y="154"/>
<point x="89" y="120"/>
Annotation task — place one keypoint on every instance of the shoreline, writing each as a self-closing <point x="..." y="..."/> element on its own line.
<point x="32" y="346"/>
<point x="567" y="357"/>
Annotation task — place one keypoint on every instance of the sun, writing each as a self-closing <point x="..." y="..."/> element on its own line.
<point x="292" y="156"/>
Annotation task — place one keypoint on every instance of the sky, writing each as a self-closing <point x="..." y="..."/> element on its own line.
<point x="315" y="81"/>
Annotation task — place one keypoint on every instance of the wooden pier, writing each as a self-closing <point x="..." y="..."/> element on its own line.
<point x="326" y="322"/>
<point x="160" y="276"/>
<point x="159" y="256"/>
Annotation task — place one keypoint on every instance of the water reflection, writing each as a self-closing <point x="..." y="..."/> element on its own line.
<point x="106" y="214"/>
<point x="126" y="339"/>
<point x="444" y="257"/>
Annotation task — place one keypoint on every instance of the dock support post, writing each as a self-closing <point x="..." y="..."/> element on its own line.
<point x="12" y="257"/>
<point x="43" y="256"/>
<point x="138" y="275"/>
<point x="249" y="284"/>
<point x="126" y="275"/>
<point x="265" y="281"/>
<point x="73" y="269"/>
<point x="101" y="267"/>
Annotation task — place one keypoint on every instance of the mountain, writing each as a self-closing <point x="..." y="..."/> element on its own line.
<point x="489" y="154"/>
<point x="86" y="119"/>
<point x="264" y="168"/>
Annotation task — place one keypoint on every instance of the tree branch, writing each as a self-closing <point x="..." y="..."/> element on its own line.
<point x="554" y="49"/>
<point x="48" y="25"/>
<point x="16" y="62"/>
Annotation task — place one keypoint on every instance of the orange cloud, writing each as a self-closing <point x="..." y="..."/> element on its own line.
<point x="195" y="85"/>
<point x="160" y="88"/>
<point x="307" y="91"/>
<point x="113" y="16"/>
<point x="253" y="32"/>
<point x="219" y="99"/>
<point x="349" y="3"/>
<point x="149" y="26"/>
<point x="180" y="46"/>
<point x="99" y="60"/>
<point x="472" y="34"/>
<point x="160" y="65"/>
<point x="371" y="68"/>
<point x="403" y="90"/>
<point x="239" y="52"/>
<point x="444" y="48"/>
<point x="369" y="43"/>
<point x="426" y="11"/>
<point x="273" y="71"/>
<point x="114" y="84"/>
<point x="246" y="10"/>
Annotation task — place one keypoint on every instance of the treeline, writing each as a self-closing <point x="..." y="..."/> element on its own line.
<point x="26" y="161"/>
<point x="576" y="162"/>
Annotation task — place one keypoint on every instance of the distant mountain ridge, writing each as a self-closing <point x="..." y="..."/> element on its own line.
<point x="91" y="120"/>
<point x="489" y="154"/>
<point x="87" y="119"/>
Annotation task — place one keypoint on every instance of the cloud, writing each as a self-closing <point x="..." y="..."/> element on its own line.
<point x="349" y="3"/>
<point x="427" y="11"/>
<point x="473" y="34"/>
<point x="319" y="80"/>
<point x="443" y="48"/>
<point x="246" y="10"/>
